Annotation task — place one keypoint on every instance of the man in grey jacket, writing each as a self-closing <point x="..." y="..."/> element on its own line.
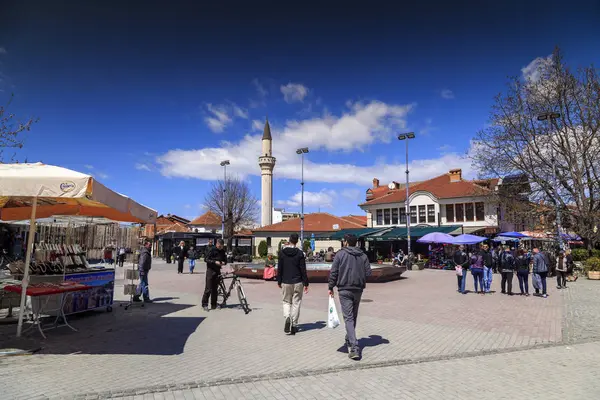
<point x="144" y="265"/>
<point x="349" y="273"/>
<point x="540" y="268"/>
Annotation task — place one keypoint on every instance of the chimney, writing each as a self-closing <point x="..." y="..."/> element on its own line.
<point x="455" y="175"/>
<point x="397" y="185"/>
<point x="375" y="183"/>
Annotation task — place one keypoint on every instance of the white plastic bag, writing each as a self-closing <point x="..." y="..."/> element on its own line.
<point x="333" y="320"/>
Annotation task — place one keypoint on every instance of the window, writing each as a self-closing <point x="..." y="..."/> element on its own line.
<point x="422" y="219"/>
<point x="449" y="212"/>
<point x="413" y="214"/>
<point x="386" y="216"/>
<point x="379" y="217"/>
<point x="469" y="213"/>
<point x="479" y="211"/>
<point x="460" y="212"/>
<point x="268" y="242"/>
<point x="403" y="216"/>
<point x="394" y="216"/>
<point x="431" y="213"/>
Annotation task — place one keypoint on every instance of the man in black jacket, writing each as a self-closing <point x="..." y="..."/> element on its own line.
<point x="215" y="259"/>
<point x="349" y="273"/>
<point x="144" y="265"/>
<point x="292" y="278"/>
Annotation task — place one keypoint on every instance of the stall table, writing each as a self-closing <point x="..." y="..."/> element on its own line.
<point x="42" y="293"/>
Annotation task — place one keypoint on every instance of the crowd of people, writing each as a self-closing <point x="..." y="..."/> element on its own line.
<point x="484" y="263"/>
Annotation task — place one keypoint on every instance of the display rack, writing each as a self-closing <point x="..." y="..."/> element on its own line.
<point x="131" y="289"/>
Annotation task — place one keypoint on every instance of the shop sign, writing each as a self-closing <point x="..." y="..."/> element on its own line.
<point x="67" y="186"/>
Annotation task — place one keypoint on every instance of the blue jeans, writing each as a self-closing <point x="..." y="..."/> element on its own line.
<point x="523" y="281"/>
<point x="462" y="281"/>
<point x="477" y="278"/>
<point x="488" y="274"/>
<point x="144" y="285"/>
<point x="192" y="265"/>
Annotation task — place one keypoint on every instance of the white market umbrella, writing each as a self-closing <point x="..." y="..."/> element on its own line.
<point x="31" y="191"/>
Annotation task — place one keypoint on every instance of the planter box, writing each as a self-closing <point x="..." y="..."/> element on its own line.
<point x="595" y="275"/>
<point x="418" y="266"/>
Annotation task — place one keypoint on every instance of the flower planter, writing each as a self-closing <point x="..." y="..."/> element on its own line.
<point x="595" y="275"/>
<point x="379" y="261"/>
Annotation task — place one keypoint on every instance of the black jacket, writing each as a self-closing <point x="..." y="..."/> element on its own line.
<point x="507" y="262"/>
<point x="291" y="267"/>
<point x="522" y="264"/>
<point x="213" y="256"/>
<point x="461" y="258"/>
<point x="488" y="259"/>
<point x="145" y="260"/>
<point x="349" y="270"/>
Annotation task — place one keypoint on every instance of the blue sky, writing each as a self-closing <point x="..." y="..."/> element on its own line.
<point x="149" y="100"/>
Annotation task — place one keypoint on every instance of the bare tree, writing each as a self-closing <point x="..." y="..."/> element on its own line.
<point x="11" y="129"/>
<point x="560" y="156"/>
<point x="241" y="208"/>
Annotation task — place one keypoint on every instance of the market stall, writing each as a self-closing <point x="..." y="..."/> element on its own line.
<point x="33" y="191"/>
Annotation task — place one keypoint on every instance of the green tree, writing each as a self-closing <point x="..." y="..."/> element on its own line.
<point x="263" y="249"/>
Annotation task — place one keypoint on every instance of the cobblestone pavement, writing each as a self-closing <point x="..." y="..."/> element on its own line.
<point x="173" y="343"/>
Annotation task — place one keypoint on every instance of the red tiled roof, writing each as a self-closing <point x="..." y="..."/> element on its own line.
<point x="375" y="193"/>
<point x="208" y="218"/>
<point x="315" y="222"/>
<point x="359" y="219"/>
<point x="176" y="227"/>
<point x="440" y="186"/>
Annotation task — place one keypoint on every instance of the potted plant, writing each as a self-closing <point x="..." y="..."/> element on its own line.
<point x="379" y="259"/>
<point x="592" y="266"/>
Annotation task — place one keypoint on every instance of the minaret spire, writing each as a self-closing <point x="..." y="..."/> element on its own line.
<point x="266" y="161"/>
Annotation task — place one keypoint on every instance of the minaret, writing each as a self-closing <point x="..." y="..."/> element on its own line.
<point x="267" y="163"/>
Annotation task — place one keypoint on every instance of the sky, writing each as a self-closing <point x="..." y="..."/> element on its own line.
<point x="149" y="99"/>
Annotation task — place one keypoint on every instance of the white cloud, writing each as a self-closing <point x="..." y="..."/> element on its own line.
<point x="260" y="89"/>
<point x="445" y="148"/>
<point x="143" y="167"/>
<point x="101" y="175"/>
<point x="187" y="206"/>
<point x="294" y="92"/>
<point x="3" y="50"/>
<point x="447" y="94"/>
<point x="257" y="125"/>
<point x="324" y="199"/>
<point x="361" y="126"/>
<point x="87" y="166"/>
<point x="222" y="115"/>
<point x="352" y="194"/>
<point x="533" y="71"/>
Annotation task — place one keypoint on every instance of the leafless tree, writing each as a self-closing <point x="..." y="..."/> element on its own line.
<point x="11" y="130"/>
<point x="559" y="156"/>
<point x="241" y="208"/>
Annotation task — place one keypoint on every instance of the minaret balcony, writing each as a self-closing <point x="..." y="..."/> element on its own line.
<point x="266" y="160"/>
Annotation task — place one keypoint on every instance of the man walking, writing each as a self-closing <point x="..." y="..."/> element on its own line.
<point x="292" y="279"/>
<point x="215" y="259"/>
<point x="540" y="268"/>
<point x="349" y="273"/>
<point x="507" y="262"/>
<point x="144" y="265"/>
<point x="488" y="268"/>
<point x="181" y="255"/>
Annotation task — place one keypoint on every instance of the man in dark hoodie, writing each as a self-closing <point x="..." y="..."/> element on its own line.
<point x="291" y="279"/>
<point x="215" y="259"/>
<point x="349" y="273"/>
<point x="144" y="265"/>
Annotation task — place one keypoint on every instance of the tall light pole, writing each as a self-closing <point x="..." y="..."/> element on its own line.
<point x="407" y="137"/>
<point x="551" y="118"/>
<point x="302" y="151"/>
<point x="224" y="164"/>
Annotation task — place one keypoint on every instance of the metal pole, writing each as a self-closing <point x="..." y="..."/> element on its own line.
<point x="224" y="191"/>
<point x="556" y="202"/>
<point x="302" y="208"/>
<point x="408" y="216"/>
<point x="25" y="281"/>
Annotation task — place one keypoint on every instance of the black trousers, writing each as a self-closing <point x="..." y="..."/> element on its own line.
<point x="507" y="278"/>
<point x="180" y="265"/>
<point x="561" y="278"/>
<point x="211" y="288"/>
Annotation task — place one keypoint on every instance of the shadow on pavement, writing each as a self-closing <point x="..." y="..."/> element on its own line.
<point x="312" y="326"/>
<point x="157" y="299"/>
<point x="144" y="331"/>
<point x="371" y="341"/>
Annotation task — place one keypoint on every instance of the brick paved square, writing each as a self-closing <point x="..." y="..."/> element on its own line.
<point x="173" y="342"/>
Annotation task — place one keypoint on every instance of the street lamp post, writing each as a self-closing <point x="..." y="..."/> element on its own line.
<point x="551" y="118"/>
<point x="302" y="151"/>
<point x="407" y="137"/>
<point x="224" y="164"/>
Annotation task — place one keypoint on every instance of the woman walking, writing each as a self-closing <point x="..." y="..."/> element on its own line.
<point x="522" y="263"/>
<point x="181" y="253"/>
<point x="477" y="270"/>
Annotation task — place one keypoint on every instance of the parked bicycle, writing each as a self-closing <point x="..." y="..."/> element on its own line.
<point x="224" y="293"/>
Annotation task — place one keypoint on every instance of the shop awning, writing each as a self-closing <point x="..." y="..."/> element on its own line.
<point x="467" y="230"/>
<point x="415" y="232"/>
<point x="339" y="235"/>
